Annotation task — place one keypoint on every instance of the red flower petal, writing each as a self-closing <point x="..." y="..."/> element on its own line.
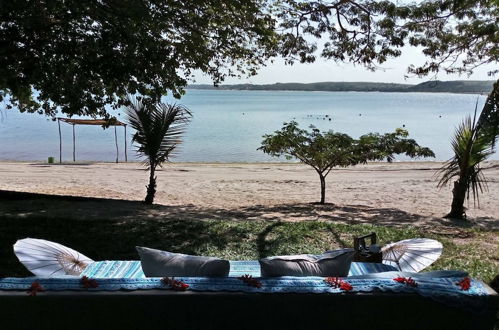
<point x="346" y="286"/>
<point x="337" y="282"/>
<point x="88" y="283"/>
<point x="175" y="284"/>
<point x="407" y="281"/>
<point x="34" y="289"/>
<point x="249" y="280"/>
<point x="411" y="282"/>
<point x="465" y="283"/>
<point x="399" y="279"/>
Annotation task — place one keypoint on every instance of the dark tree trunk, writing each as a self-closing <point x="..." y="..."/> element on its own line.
<point x="458" y="197"/>
<point x="151" y="188"/>
<point x="323" y="188"/>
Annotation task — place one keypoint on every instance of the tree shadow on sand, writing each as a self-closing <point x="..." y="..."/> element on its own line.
<point x="20" y="204"/>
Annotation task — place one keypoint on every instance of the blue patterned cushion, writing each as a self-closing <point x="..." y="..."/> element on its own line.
<point x="132" y="269"/>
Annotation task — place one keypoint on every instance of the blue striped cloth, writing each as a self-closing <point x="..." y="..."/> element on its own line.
<point x="133" y="269"/>
<point x="114" y="269"/>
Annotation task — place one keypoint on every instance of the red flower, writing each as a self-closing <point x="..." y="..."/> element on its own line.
<point x="175" y="284"/>
<point x="346" y="286"/>
<point x="332" y="281"/>
<point x="89" y="283"/>
<point x="248" y="279"/>
<point x="34" y="289"/>
<point x="399" y="279"/>
<point x="337" y="282"/>
<point x="465" y="283"/>
<point x="409" y="281"/>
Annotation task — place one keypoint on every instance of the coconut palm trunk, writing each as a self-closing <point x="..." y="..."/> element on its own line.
<point x="151" y="187"/>
<point x="458" y="197"/>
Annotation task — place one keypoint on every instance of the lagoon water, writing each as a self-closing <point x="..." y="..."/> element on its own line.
<point x="228" y="125"/>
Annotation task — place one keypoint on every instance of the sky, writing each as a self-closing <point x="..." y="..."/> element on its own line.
<point x="393" y="71"/>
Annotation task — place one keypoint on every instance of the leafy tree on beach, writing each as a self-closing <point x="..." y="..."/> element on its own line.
<point x="159" y="129"/>
<point x="324" y="151"/>
<point x="473" y="142"/>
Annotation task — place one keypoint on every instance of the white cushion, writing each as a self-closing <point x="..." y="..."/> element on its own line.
<point x="332" y="263"/>
<point x="157" y="263"/>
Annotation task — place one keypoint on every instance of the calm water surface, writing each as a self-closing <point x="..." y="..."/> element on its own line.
<point x="228" y="125"/>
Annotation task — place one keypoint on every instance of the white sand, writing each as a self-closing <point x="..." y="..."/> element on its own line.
<point x="404" y="193"/>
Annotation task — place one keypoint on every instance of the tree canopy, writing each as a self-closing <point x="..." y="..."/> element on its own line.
<point x="83" y="57"/>
<point x="324" y="151"/>
<point x="80" y="56"/>
<point x="456" y="36"/>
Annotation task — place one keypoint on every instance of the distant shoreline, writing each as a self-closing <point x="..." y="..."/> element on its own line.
<point x="436" y="86"/>
<point x="492" y="162"/>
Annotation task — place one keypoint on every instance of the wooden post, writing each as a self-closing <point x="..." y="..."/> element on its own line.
<point x="116" y="142"/>
<point x="60" y="141"/>
<point x="74" y="144"/>
<point x="126" y="157"/>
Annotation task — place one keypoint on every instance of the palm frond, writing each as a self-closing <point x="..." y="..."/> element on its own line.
<point x="461" y="145"/>
<point x="159" y="129"/>
<point x="473" y="142"/>
<point x="488" y="122"/>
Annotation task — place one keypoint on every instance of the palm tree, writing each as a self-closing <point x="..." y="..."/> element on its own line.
<point x="473" y="142"/>
<point x="159" y="128"/>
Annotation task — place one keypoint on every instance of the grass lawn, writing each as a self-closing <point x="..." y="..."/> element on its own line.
<point x="108" y="238"/>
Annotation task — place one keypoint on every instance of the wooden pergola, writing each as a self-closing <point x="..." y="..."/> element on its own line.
<point x="93" y="122"/>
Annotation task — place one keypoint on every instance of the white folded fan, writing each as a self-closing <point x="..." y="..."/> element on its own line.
<point x="48" y="259"/>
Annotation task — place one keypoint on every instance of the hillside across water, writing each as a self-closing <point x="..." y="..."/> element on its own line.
<point x="434" y="86"/>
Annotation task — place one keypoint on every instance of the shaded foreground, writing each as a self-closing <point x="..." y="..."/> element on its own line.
<point x="110" y="229"/>
<point x="229" y="310"/>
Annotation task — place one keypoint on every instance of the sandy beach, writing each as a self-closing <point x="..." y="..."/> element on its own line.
<point x="382" y="193"/>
